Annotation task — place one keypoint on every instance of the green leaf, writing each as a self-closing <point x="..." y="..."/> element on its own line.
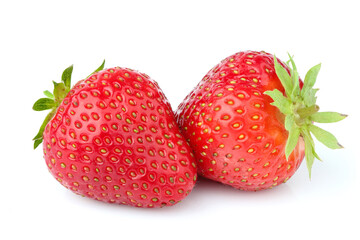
<point x="294" y="78"/>
<point x="310" y="79"/>
<point x="325" y="137"/>
<point x="315" y="154"/>
<point x="280" y="101"/>
<point x="59" y="91"/>
<point x="101" y="67"/>
<point x="309" y="150"/>
<point x="48" y="94"/>
<point x="327" y="117"/>
<point x="66" y="77"/>
<point x="310" y="98"/>
<point x="284" y="77"/>
<point x="292" y="140"/>
<point x="37" y="142"/>
<point x="43" y="104"/>
<point x="39" y="136"/>
<point x="289" y="121"/>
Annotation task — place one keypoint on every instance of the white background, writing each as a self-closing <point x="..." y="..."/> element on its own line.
<point x="176" y="43"/>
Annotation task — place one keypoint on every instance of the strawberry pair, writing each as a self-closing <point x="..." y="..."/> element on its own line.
<point x="248" y="123"/>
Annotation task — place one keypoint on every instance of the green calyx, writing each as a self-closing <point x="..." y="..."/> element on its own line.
<point x="300" y="110"/>
<point x="54" y="99"/>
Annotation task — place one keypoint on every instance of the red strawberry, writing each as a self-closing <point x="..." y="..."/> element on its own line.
<point x="238" y="137"/>
<point x="113" y="137"/>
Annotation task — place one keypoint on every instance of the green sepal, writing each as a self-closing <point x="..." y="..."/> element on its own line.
<point x="309" y="96"/>
<point x="66" y="77"/>
<point x="48" y="94"/>
<point x="101" y="67"/>
<point x="39" y="136"/>
<point x="295" y="78"/>
<point x="37" y="142"/>
<point x="43" y="104"/>
<point x="289" y="121"/>
<point x="325" y="137"/>
<point x="310" y="79"/>
<point x="294" y="134"/>
<point x="327" y="117"/>
<point x="59" y="91"/>
<point x="309" y="151"/>
<point x="281" y="102"/>
<point x="284" y="77"/>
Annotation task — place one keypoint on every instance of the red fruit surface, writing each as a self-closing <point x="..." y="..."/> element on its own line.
<point x="114" y="138"/>
<point x="239" y="138"/>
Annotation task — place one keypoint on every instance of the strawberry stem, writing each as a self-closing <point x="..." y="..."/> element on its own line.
<point x="307" y="111"/>
<point x="300" y="110"/>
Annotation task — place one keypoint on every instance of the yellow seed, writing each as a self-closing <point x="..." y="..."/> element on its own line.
<point x="251" y="150"/>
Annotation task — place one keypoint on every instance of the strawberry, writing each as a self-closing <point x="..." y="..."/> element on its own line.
<point x="113" y="137"/>
<point x="250" y="120"/>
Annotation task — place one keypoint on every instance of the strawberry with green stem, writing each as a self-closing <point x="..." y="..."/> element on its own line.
<point x="250" y="121"/>
<point x="113" y="137"/>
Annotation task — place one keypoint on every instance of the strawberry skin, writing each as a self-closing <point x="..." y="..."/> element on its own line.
<point x="239" y="138"/>
<point x="114" y="138"/>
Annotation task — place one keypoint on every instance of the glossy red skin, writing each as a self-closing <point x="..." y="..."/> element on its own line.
<point x="102" y="144"/>
<point x="249" y="156"/>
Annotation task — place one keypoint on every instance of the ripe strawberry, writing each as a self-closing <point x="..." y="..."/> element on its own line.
<point x="244" y="131"/>
<point x="113" y="137"/>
